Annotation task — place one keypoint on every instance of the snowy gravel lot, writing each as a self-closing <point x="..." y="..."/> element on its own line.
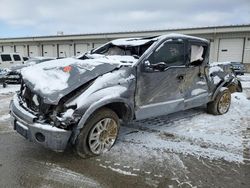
<point x="185" y="149"/>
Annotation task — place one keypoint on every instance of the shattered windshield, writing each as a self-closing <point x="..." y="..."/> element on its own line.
<point x="123" y="50"/>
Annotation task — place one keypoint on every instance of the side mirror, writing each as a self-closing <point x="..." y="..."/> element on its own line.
<point x="147" y="64"/>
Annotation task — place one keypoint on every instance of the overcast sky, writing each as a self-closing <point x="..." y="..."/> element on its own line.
<point x="45" y="17"/>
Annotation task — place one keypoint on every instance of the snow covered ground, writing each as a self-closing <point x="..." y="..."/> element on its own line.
<point x="245" y="79"/>
<point x="9" y="89"/>
<point x="193" y="132"/>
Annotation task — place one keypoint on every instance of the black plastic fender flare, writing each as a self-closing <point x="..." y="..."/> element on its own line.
<point x="226" y="83"/>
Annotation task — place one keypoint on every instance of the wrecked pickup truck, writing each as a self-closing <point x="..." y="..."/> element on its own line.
<point x="82" y="101"/>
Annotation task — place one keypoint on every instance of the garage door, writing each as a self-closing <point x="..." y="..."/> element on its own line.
<point x="66" y="50"/>
<point x="8" y="49"/>
<point x="211" y="54"/>
<point x="49" y="50"/>
<point x="231" y="49"/>
<point x="21" y="49"/>
<point x="33" y="51"/>
<point x="81" y="48"/>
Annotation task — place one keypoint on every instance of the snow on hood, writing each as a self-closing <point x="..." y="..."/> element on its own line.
<point x="54" y="79"/>
<point x="115" y="78"/>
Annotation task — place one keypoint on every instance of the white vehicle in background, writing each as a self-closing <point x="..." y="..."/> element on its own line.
<point x="31" y="61"/>
<point x="8" y="60"/>
<point x="14" y="71"/>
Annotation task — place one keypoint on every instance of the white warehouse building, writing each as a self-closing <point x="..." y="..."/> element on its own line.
<point x="227" y="43"/>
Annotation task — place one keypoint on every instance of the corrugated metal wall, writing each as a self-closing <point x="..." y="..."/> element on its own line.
<point x="228" y="46"/>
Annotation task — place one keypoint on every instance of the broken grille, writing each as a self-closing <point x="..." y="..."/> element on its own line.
<point x="32" y="100"/>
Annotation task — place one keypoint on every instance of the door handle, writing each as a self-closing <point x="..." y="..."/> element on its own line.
<point x="180" y="77"/>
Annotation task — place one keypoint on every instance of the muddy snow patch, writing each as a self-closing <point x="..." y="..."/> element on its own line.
<point x="67" y="177"/>
<point x="134" y="159"/>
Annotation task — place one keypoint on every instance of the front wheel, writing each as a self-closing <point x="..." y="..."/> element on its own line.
<point x="221" y="103"/>
<point x="98" y="134"/>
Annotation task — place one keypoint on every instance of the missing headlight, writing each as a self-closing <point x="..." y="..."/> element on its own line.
<point x="65" y="119"/>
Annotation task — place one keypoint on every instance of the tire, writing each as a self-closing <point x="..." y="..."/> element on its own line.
<point x="221" y="103"/>
<point x="99" y="133"/>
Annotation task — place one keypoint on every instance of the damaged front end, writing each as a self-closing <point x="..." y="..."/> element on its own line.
<point x="39" y="109"/>
<point x="57" y="97"/>
<point x="48" y="125"/>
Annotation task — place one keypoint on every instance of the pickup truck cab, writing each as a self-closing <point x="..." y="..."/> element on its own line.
<point x="82" y="101"/>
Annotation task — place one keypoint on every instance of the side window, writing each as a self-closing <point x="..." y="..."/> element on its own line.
<point x="17" y="57"/>
<point x="6" y="57"/>
<point x="171" y="53"/>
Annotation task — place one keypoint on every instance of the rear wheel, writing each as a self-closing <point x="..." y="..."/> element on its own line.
<point x="98" y="134"/>
<point x="221" y="104"/>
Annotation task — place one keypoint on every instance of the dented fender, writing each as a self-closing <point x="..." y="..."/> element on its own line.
<point x="97" y="105"/>
<point x="117" y="87"/>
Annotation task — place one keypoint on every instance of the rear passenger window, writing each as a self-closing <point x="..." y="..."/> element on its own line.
<point x="6" y="57"/>
<point x="17" y="57"/>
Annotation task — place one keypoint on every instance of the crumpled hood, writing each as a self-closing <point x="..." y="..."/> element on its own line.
<point x="54" y="79"/>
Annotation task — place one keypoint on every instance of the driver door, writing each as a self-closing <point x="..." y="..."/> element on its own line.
<point x="160" y="89"/>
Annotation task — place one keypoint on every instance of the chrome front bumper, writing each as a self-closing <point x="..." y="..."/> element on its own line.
<point x="45" y="134"/>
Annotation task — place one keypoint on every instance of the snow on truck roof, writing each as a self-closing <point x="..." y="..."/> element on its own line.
<point x="176" y="35"/>
<point x="142" y="41"/>
<point x="132" y="41"/>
